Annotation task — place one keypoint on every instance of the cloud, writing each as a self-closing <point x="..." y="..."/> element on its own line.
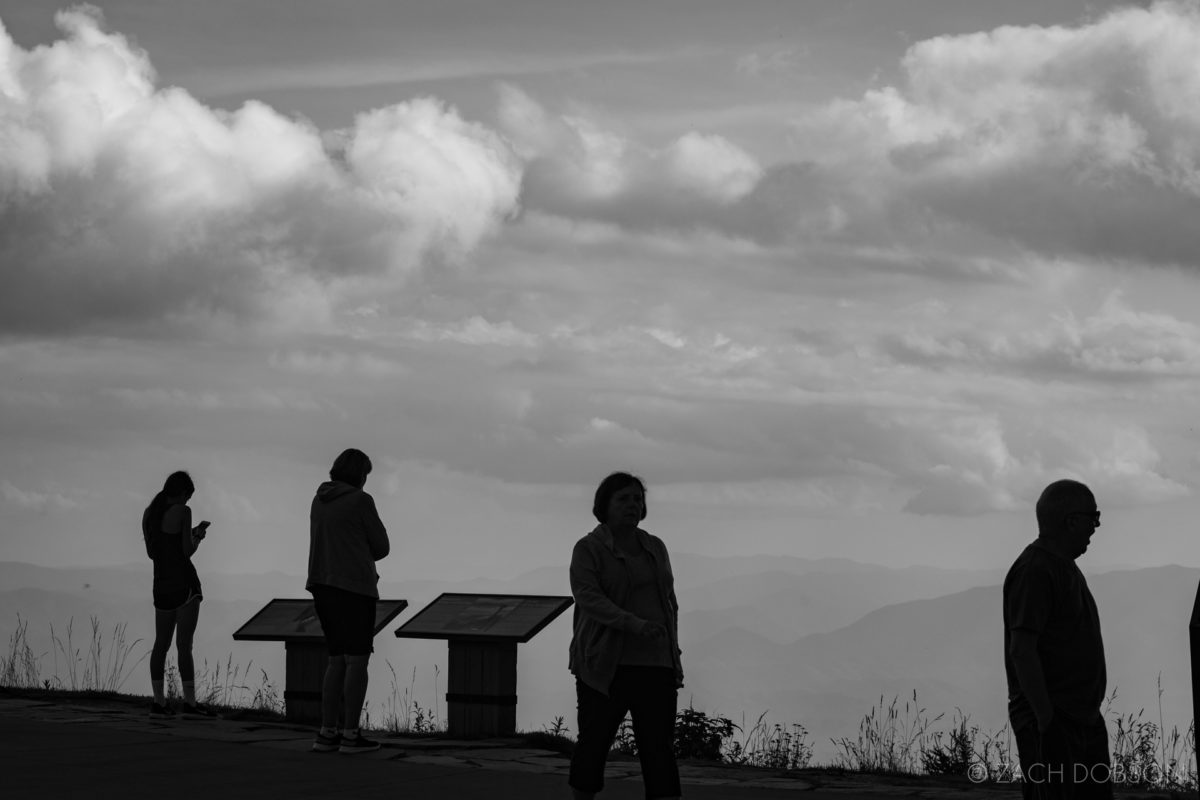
<point x="1114" y="342"/>
<point x="475" y="331"/>
<point x="35" y="501"/>
<point x="778" y="61"/>
<point x="581" y="168"/>
<point x="250" y="400"/>
<point x="330" y="362"/>
<point x="128" y="203"/>
<point x="977" y="462"/>
<point x="1078" y="139"/>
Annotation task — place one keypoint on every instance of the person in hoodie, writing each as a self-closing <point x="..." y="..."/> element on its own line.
<point x="625" y="649"/>
<point x="346" y="538"/>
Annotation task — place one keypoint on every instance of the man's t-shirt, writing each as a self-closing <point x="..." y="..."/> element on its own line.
<point x="1046" y="594"/>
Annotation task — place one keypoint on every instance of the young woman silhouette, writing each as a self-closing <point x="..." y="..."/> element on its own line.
<point x="170" y="541"/>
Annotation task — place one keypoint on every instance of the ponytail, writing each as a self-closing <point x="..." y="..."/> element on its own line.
<point x="177" y="483"/>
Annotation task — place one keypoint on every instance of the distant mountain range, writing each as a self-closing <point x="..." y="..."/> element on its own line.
<point x="816" y="642"/>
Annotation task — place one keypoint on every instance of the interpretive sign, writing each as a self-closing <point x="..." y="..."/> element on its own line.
<point x="295" y="623"/>
<point x="494" y="617"/>
<point x="483" y="631"/>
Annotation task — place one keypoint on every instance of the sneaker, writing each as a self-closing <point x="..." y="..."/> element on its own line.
<point x="161" y="712"/>
<point x="198" y="711"/>
<point x="326" y="744"/>
<point x="359" y="744"/>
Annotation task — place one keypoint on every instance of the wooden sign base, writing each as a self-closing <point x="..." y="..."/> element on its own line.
<point x="481" y="697"/>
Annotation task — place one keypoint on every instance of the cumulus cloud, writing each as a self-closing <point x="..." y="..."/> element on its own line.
<point x="31" y="500"/>
<point x="579" y="167"/>
<point x="1113" y="342"/>
<point x="121" y="200"/>
<point x="258" y="399"/>
<point x="1073" y="139"/>
<point x="976" y="462"/>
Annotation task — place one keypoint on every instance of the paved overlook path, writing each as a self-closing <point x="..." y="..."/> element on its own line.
<point x="99" y="749"/>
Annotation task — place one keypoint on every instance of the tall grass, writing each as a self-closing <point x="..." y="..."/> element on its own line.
<point x="106" y="661"/>
<point x="403" y="714"/>
<point x="771" y="746"/>
<point x="890" y="739"/>
<point x="104" y="669"/>
<point x="1145" y="756"/>
<point x="20" y="667"/>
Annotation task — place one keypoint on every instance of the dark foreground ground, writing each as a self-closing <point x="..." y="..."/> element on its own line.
<point x="93" y="748"/>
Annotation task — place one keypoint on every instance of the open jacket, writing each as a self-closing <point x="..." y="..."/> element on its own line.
<point x="601" y="584"/>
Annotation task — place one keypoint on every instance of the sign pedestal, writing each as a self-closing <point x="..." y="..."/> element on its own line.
<point x="295" y="623"/>
<point x="1194" y="641"/>
<point x="303" y="680"/>
<point x="481" y="698"/>
<point x="483" y="631"/>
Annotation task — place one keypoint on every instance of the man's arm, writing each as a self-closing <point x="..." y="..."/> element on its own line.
<point x="1022" y="648"/>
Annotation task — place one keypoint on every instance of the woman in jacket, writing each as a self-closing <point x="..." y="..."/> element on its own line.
<point x="346" y="538"/>
<point x="625" y="650"/>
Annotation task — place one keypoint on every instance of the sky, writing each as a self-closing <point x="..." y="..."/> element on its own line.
<point x="852" y="278"/>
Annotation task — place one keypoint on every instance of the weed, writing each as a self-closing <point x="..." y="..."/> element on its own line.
<point x="557" y="728"/>
<point x="957" y="754"/>
<point x="887" y="741"/>
<point x="402" y="712"/>
<point x="698" y="735"/>
<point x="104" y="670"/>
<point x="771" y="746"/>
<point x="21" y="668"/>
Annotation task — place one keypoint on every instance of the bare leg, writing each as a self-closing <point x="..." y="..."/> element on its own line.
<point x="355" y="689"/>
<point x="164" y="630"/>
<point x="331" y="692"/>
<point x="188" y="616"/>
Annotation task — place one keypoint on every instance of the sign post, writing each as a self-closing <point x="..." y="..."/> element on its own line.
<point x="1194" y="641"/>
<point x="295" y="623"/>
<point x="483" y="631"/>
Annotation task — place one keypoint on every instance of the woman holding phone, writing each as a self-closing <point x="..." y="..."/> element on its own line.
<point x="171" y="539"/>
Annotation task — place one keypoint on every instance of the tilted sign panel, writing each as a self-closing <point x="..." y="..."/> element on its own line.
<point x="296" y="621"/>
<point x="484" y="616"/>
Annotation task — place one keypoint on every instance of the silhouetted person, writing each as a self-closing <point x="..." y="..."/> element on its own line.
<point x="1054" y="655"/>
<point x="625" y="648"/>
<point x="170" y="541"/>
<point x="346" y="538"/>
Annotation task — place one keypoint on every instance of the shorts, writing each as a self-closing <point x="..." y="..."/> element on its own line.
<point x="347" y="620"/>
<point x="173" y="598"/>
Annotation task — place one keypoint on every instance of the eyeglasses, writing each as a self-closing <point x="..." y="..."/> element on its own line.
<point x="1094" y="516"/>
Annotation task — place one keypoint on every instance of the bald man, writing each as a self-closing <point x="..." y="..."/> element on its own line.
<point x="1054" y="654"/>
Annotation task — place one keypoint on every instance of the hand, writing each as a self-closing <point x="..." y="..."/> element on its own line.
<point x="653" y="630"/>
<point x="1054" y="746"/>
<point x="202" y="529"/>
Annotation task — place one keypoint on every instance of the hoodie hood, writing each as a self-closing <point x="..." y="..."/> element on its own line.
<point x="331" y="490"/>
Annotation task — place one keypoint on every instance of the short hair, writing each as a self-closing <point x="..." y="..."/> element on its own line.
<point x="1057" y="500"/>
<point x="351" y="467"/>
<point x="610" y="486"/>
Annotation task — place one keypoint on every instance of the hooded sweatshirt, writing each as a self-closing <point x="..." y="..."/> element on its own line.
<point x="346" y="538"/>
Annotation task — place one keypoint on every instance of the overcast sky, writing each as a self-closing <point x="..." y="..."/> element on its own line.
<point x="856" y="277"/>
